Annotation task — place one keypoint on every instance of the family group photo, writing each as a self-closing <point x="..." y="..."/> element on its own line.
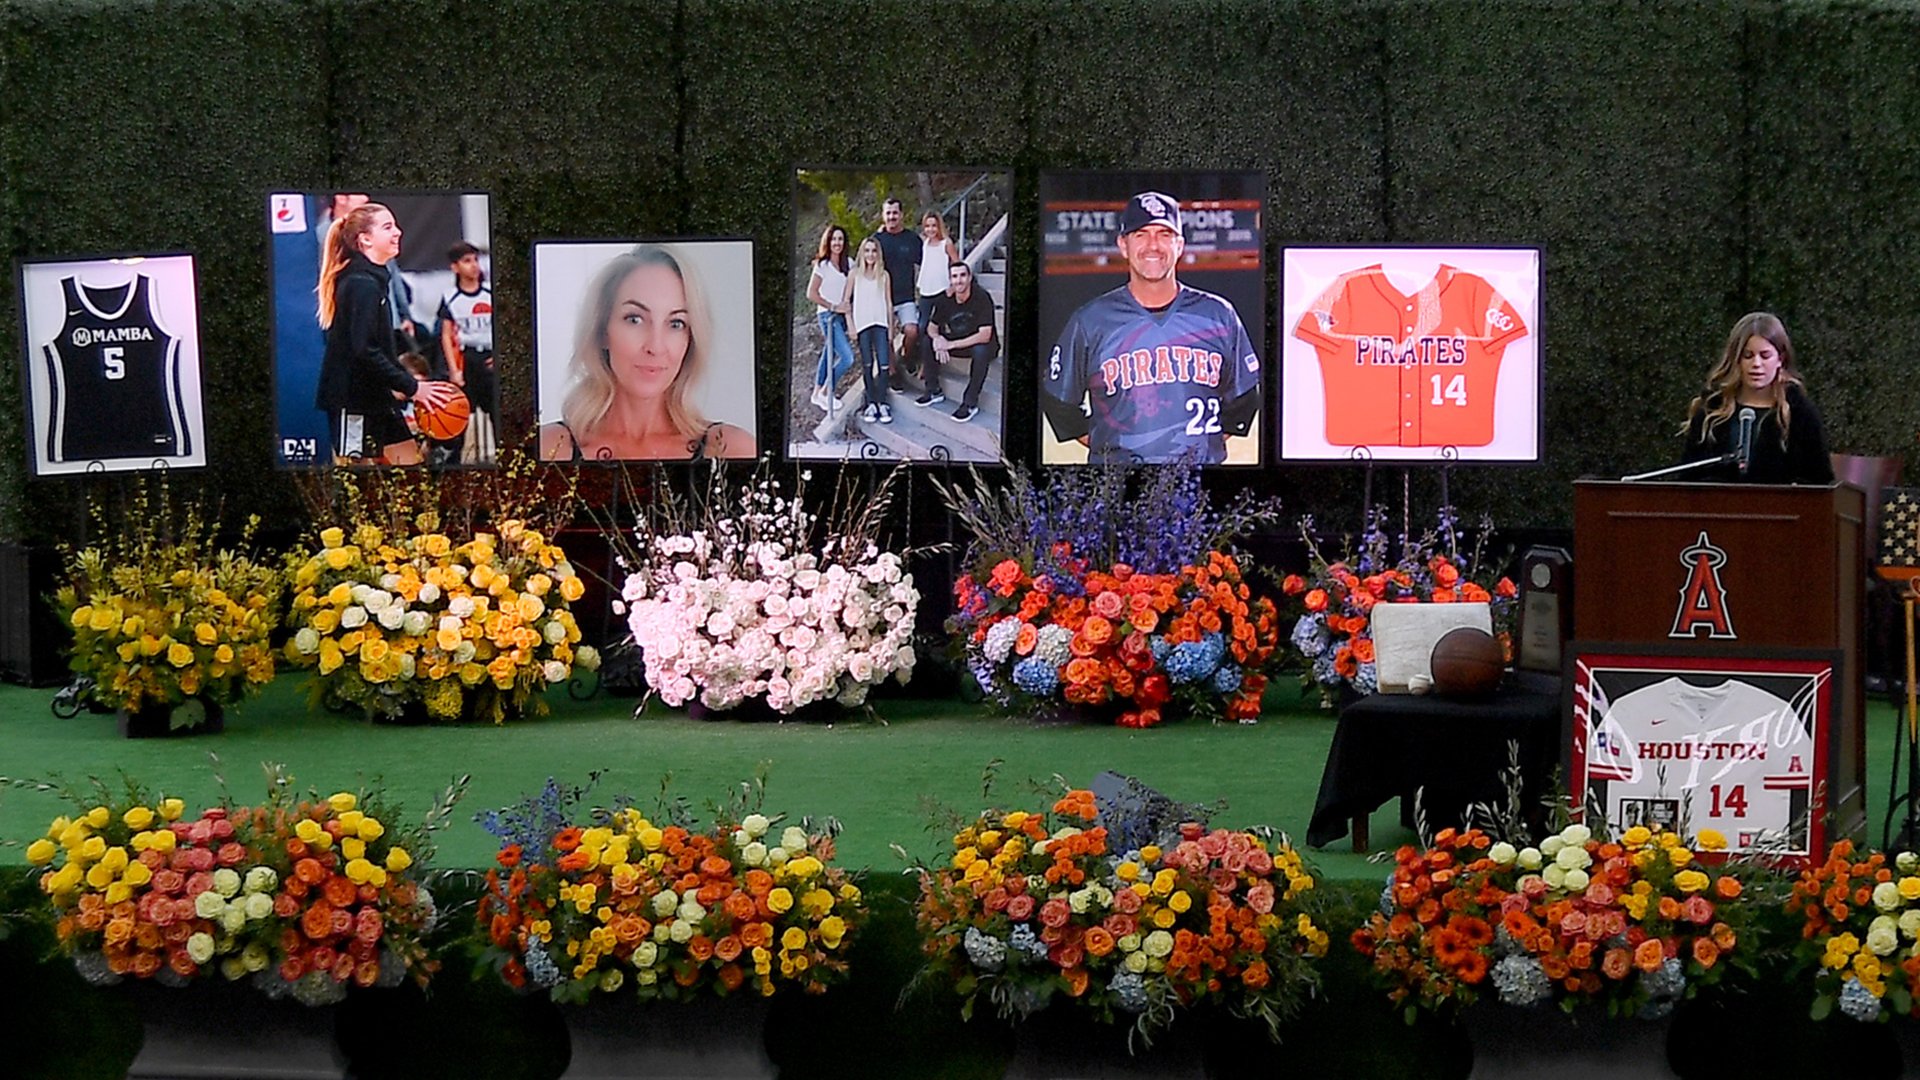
<point x="899" y="315"/>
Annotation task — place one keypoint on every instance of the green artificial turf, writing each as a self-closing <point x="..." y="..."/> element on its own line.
<point x="886" y="782"/>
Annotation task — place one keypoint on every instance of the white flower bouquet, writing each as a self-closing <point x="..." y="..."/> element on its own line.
<point x="740" y="594"/>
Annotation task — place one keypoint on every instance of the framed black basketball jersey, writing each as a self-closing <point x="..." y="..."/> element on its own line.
<point x="112" y="373"/>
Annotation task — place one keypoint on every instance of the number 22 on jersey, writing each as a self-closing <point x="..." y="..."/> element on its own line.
<point x="1205" y="416"/>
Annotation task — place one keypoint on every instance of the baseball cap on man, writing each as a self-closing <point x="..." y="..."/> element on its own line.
<point x="1150" y="208"/>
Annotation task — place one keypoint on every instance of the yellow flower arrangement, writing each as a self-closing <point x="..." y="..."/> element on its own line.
<point x="464" y="628"/>
<point x="161" y="614"/>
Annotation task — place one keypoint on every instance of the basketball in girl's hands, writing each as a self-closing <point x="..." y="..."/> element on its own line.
<point x="1466" y="662"/>
<point x="446" y="422"/>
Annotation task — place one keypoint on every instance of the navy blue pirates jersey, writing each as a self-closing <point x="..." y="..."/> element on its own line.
<point x="1153" y="386"/>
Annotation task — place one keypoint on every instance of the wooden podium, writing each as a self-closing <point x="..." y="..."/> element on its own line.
<point x="1788" y="568"/>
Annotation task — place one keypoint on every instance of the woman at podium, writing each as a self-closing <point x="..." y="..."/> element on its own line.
<point x="1754" y="418"/>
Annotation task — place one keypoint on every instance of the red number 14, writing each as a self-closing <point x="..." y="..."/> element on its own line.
<point x="1734" y="804"/>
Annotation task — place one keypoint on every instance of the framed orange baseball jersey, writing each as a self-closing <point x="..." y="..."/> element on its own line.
<point x="1410" y="354"/>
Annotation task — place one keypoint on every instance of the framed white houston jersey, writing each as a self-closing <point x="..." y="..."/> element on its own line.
<point x="111" y="363"/>
<point x="1735" y="744"/>
<point x="1410" y="354"/>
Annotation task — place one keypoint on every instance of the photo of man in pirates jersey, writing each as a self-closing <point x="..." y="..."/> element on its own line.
<point x="112" y="365"/>
<point x="1151" y="318"/>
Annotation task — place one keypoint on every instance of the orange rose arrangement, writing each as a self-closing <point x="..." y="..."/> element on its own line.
<point x="1112" y="594"/>
<point x="580" y="907"/>
<point x="1332" y="604"/>
<point x="1861" y="918"/>
<point x="1032" y="906"/>
<point x="1130" y="642"/>
<point x="1635" y="923"/>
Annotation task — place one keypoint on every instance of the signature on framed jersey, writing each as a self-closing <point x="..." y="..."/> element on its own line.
<point x="1687" y="741"/>
<point x="111" y="363"/>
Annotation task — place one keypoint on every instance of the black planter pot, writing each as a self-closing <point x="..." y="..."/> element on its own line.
<point x="756" y="710"/>
<point x="194" y="716"/>
<point x="1062" y="1040"/>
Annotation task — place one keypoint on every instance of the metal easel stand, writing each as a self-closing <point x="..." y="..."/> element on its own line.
<point x="1906" y="736"/>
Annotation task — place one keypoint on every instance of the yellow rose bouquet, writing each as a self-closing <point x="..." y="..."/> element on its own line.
<point x="423" y="622"/>
<point x="163" y="615"/>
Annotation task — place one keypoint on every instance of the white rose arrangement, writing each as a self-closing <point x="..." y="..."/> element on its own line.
<point x="750" y="596"/>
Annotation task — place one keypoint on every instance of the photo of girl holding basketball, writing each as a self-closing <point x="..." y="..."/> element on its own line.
<point x="362" y="382"/>
<point x="361" y="374"/>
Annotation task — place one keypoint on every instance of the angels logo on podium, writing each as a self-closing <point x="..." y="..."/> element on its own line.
<point x="1703" y="599"/>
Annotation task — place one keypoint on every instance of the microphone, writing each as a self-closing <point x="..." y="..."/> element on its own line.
<point x="1743" y="441"/>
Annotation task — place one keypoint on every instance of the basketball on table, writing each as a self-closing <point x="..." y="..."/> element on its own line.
<point x="1466" y="662"/>
<point x="446" y="422"/>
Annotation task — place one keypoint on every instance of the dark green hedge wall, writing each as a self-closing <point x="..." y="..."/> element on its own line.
<point x="1681" y="163"/>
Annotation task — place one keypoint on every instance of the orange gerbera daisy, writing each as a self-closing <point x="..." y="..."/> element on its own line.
<point x="1449" y="946"/>
<point x="1473" y="969"/>
<point x="1475" y="930"/>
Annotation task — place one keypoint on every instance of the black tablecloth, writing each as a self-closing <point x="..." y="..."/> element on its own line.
<point x="1453" y="752"/>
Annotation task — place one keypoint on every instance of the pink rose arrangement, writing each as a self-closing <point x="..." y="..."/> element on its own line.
<point x="758" y="602"/>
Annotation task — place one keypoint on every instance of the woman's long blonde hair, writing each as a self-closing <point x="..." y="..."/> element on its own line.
<point x="879" y="261"/>
<point x="592" y="388"/>
<point x="342" y="243"/>
<point x="1722" y="392"/>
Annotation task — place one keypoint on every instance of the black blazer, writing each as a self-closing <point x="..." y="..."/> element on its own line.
<point x="361" y="368"/>
<point x="1800" y="458"/>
